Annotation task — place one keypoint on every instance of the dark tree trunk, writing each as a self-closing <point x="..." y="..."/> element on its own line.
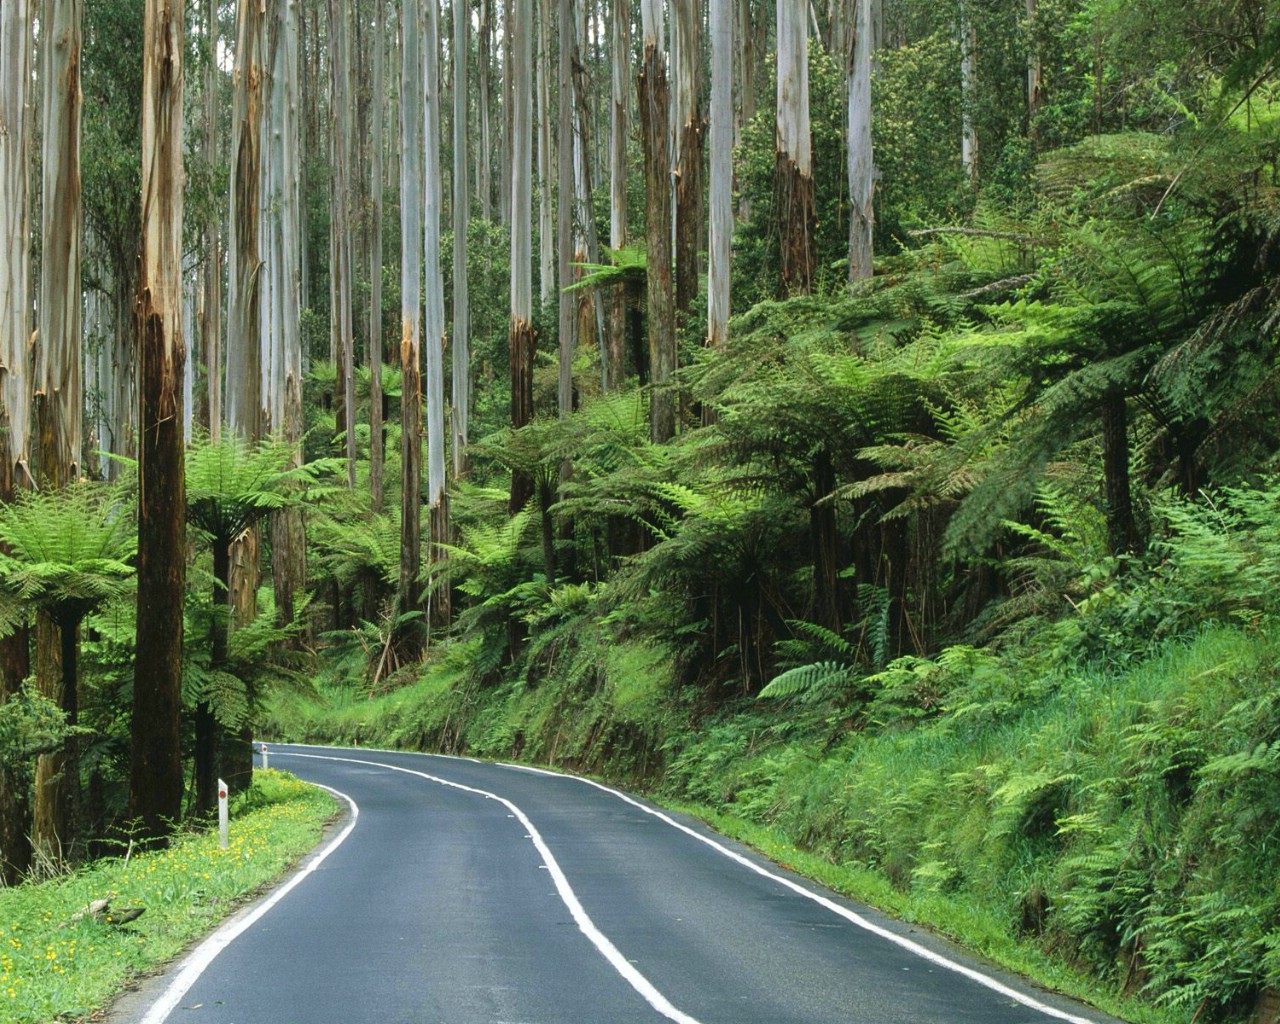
<point x="57" y="773"/>
<point x="1122" y="529"/>
<point x="410" y="492"/>
<point x="15" y="807"/>
<point x="797" y="219"/>
<point x="826" y="546"/>
<point x="523" y="344"/>
<point x="653" y="109"/>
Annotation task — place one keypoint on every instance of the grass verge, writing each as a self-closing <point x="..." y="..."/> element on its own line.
<point x="55" y="967"/>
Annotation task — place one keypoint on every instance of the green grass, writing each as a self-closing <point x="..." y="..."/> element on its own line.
<point x="55" y="968"/>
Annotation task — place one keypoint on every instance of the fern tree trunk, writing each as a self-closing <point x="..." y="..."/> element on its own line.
<point x="654" y="107"/>
<point x="520" y="332"/>
<point x="58" y="369"/>
<point x="155" y="770"/>
<point x="1122" y="527"/>
<point x="793" y="168"/>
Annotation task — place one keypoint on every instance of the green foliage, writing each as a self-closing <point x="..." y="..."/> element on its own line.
<point x="67" y="550"/>
<point x="30" y="724"/>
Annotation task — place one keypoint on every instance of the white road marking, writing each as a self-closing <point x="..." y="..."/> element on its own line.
<point x="851" y="916"/>
<point x="607" y="949"/>
<point x="203" y="955"/>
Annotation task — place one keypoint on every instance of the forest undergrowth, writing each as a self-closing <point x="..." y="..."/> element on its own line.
<point x="1091" y="799"/>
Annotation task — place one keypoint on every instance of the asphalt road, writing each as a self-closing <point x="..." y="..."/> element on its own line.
<point x="469" y="893"/>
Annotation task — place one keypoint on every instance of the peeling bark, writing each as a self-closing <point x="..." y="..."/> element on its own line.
<point x="155" y="792"/>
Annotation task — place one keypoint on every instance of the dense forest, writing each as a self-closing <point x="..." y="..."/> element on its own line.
<point x="857" y="417"/>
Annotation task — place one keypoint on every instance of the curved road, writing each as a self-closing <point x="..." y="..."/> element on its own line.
<point x="470" y="893"/>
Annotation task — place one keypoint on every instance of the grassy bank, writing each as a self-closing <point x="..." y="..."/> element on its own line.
<point x="56" y="966"/>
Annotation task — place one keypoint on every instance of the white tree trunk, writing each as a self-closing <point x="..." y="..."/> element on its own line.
<point x="244" y="353"/>
<point x="968" y="85"/>
<point x="568" y="149"/>
<point x="461" y="218"/>
<point x="376" y="173"/>
<point x="721" y="197"/>
<point x="16" y="50"/>
<point x="546" y="177"/>
<point x="341" y="267"/>
<point x="794" y="157"/>
<point x="411" y="248"/>
<point x="58" y="369"/>
<point x="433" y="323"/>
<point x="861" y="163"/>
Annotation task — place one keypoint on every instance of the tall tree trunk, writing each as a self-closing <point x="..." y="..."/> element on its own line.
<point x="341" y="270"/>
<point x="1035" y="77"/>
<point x="586" y="241"/>
<point x="504" y="151"/>
<point x="564" y="208"/>
<point x="411" y="251"/>
<point x="376" y="452"/>
<point x="546" y="178"/>
<point x="284" y="159"/>
<point x="461" y="220"/>
<point x="794" y="159"/>
<point x="619" y="109"/>
<point x="485" y="164"/>
<point x="155" y="770"/>
<point x="690" y="129"/>
<point x="654" y="107"/>
<point x="520" y="335"/>
<point x="16" y="55"/>
<point x="58" y="375"/>
<point x="968" y="88"/>
<point x="245" y="406"/>
<point x="721" y="198"/>
<point x="211" y="319"/>
<point x="861" y="162"/>
<point x="433" y="323"/>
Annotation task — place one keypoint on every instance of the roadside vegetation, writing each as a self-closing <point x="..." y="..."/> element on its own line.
<point x="60" y="962"/>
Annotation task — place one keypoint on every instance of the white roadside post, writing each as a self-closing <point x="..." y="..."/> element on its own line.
<point x="264" y="757"/>
<point x="223" y="815"/>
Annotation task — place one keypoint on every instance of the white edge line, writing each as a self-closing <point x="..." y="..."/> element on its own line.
<point x="849" y="915"/>
<point x="203" y="955"/>
<point x="607" y="949"/>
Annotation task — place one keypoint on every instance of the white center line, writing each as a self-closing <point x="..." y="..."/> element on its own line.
<point x="607" y="949"/>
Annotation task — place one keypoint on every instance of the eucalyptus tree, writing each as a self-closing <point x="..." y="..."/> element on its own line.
<point x="461" y="218"/>
<point x="968" y="92"/>
<point x="16" y="56"/>
<point x="433" y="320"/>
<point x="654" y="111"/>
<point x="211" y="308"/>
<point x="282" y="335"/>
<point x="58" y="371"/>
<point x="690" y="129"/>
<point x="411" y="251"/>
<point x="546" y="176"/>
<point x="521" y="338"/>
<point x="721" y="187"/>
<point x="340" y="270"/>
<point x="484" y="166"/>
<point x="860" y="158"/>
<point x="564" y="208"/>
<point x="619" y="110"/>
<point x="155" y="768"/>
<point x="376" y="453"/>
<point x="793" y="151"/>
